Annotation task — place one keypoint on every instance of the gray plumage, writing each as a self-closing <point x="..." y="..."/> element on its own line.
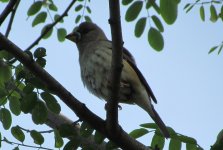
<point x="95" y="55"/>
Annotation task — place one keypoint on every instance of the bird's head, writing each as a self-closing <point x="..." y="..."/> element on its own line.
<point x="86" y="32"/>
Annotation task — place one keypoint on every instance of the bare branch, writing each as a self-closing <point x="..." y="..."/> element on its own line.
<point x="55" y="121"/>
<point x="116" y="66"/>
<point x="123" y="140"/>
<point x="51" y="26"/>
<point x="11" y="19"/>
<point x="7" y="10"/>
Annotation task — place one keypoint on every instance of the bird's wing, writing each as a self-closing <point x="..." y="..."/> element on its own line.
<point x="141" y="78"/>
<point x="130" y="59"/>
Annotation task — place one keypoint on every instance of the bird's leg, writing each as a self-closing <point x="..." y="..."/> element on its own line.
<point x="119" y="107"/>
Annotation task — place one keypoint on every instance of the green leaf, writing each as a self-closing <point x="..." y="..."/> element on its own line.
<point x="168" y="9"/>
<point x="61" y="33"/>
<point x="155" y="39"/>
<point x="175" y="144"/>
<point x="220" y="49"/>
<point x="78" y="7"/>
<point x="140" y="26"/>
<point x="171" y="132"/>
<point x="6" y="55"/>
<point x="88" y="9"/>
<point x="67" y="130"/>
<point x="202" y="14"/>
<point x="186" y="6"/>
<point x="214" y="16"/>
<point x="189" y="8"/>
<point x="39" y="113"/>
<point x="28" y="88"/>
<point x="5" y="72"/>
<point x="0" y="140"/>
<point x="187" y="139"/>
<point x="156" y="7"/>
<point x="40" y="52"/>
<point x="126" y="2"/>
<point x="87" y="18"/>
<point x="16" y="148"/>
<point x="53" y="7"/>
<point x="133" y="11"/>
<point x="3" y="94"/>
<point x="212" y="49"/>
<point x="158" y="23"/>
<point x="14" y="105"/>
<point x="86" y="130"/>
<point x="98" y="137"/>
<point x="18" y="133"/>
<point x="58" y="139"/>
<point x="219" y="142"/>
<point x="51" y="102"/>
<point x="28" y="102"/>
<point x="34" y="8"/>
<point x="149" y="4"/>
<point x="110" y="146"/>
<point x="56" y="17"/>
<point x="36" y="82"/>
<point x="138" y="133"/>
<point x="5" y="118"/>
<point x="72" y="144"/>
<point x="149" y="125"/>
<point x="40" y="18"/>
<point x="158" y="141"/>
<point x="37" y="137"/>
<point x="221" y="14"/>
<point x="78" y="18"/>
<point x="191" y="146"/>
<point x="41" y="62"/>
<point x="4" y="1"/>
<point x="49" y="32"/>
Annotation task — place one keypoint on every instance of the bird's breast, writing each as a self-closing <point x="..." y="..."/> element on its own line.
<point x="95" y="71"/>
<point x="95" y="68"/>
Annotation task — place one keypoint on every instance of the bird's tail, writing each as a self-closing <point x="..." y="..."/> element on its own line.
<point x="155" y="116"/>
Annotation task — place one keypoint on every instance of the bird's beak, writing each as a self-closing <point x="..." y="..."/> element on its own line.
<point x="73" y="36"/>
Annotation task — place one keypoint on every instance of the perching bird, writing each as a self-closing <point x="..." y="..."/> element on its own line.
<point x="95" y="55"/>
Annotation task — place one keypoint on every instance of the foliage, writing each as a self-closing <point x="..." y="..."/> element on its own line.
<point x="215" y="11"/>
<point x="167" y="9"/>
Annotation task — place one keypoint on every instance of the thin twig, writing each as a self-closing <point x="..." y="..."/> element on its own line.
<point x="7" y="10"/>
<point x="116" y="66"/>
<point x="24" y="145"/>
<point x="51" y="26"/>
<point x="123" y="140"/>
<point x="11" y="19"/>
<point x="27" y="130"/>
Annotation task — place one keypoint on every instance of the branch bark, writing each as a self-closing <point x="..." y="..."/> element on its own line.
<point x="55" y="121"/>
<point x="116" y="66"/>
<point x="7" y="10"/>
<point x="123" y="140"/>
<point x="11" y="19"/>
<point x="51" y="26"/>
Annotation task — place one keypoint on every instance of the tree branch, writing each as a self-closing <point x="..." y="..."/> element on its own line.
<point x="116" y="66"/>
<point x="11" y="19"/>
<point x="123" y="140"/>
<point x="55" y="121"/>
<point x="7" y="10"/>
<point x="51" y="26"/>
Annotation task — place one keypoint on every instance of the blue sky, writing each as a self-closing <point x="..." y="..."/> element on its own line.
<point x="185" y="79"/>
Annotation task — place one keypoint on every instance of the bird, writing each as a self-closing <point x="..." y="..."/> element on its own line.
<point x="95" y="56"/>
